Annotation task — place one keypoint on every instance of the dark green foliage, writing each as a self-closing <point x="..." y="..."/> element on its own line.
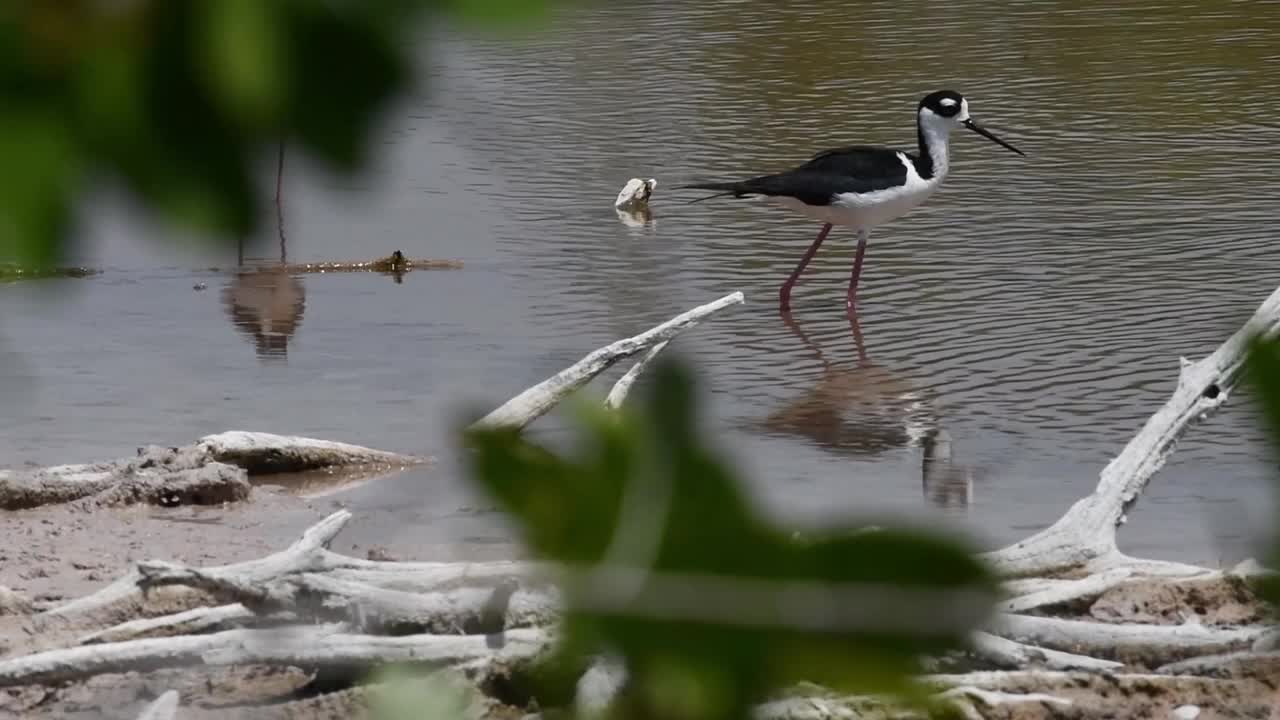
<point x="1262" y="371"/>
<point x="178" y="99"/>
<point x="648" y="493"/>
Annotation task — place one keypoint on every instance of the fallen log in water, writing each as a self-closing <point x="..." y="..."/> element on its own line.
<point x="261" y="453"/>
<point x="534" y="402"/>
<point x="213" y="470"/>
<point x="395" y="263"/>
<point x="9" y="271"/>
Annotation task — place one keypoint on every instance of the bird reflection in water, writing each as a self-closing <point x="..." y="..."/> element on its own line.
<point x="266" y="304"/>
<point x="860" y="409"/>
<point x="863" y="409"/>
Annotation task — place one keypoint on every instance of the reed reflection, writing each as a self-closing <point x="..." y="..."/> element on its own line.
<point x="266" y="304"/>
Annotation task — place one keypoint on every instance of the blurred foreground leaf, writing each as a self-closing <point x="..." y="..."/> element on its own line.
<point x="401" y="694"/>
<point x="177" y="100"/>
<point x="711" y="605"/>
<point x="41" y="173"/>
<point x="1262" y="371"/>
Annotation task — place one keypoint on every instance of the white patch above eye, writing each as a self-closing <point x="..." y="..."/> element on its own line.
<point x="946" y="102"/>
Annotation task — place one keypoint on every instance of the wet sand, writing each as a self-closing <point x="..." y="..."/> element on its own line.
<point x="60" y="552"/>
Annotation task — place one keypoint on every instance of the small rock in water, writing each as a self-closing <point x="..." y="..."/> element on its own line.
<point x="1186" y="712"/>
<point x="635" y="193"/>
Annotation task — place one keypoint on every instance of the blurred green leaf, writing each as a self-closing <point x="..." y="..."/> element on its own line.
<point x="345" y="70"/>
<point x="1262" y="372"/>
<point x="715" y="606"/>
<point x="41" y="172"/>
<point x="402" y="694"/>
<point x="178" y="99"/>
<point x="247" y="57"/>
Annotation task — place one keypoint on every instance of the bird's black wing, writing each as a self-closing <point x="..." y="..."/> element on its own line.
<point x="861" y="161"/>
<point x="853" y="169"/>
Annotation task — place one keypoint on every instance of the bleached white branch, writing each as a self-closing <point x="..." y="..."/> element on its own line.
<point x="1087" y="531"/>
<point x="266" y="453"/>
<point x="162" y="708"/>
<point x="1013" y="679"/>
<point x="194" y="621"/>
<point x="993" y="698"/>
<point x="316" y="646"/>
<point x="308" y="550"/>
<point x="865" y="707"/>
<point x="1155" y="644"/>
<point x="534" y="402"/>
<point x="1064" y="591"/>
<point x="209" y="471"/>
<point x="1265" y="664"/>
<point x="821" y="708"/>
<point x="618" y="394"/>
<point x="316" y="596"/>
<point x="1010" y="655"/>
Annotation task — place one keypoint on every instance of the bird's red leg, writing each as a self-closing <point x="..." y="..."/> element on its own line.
<point x="784" y="295"/>
<point x="857" y="270"/>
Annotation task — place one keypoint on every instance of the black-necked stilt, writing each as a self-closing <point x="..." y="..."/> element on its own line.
<point x="863" y="186"/>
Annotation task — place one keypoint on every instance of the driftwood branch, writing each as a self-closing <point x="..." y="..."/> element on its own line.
<point x="317" y="647"/>
<point x="618" y="394"/>
<point x="1060" y="592"/>
<point x="1146" y="644"/>
<point x="1265" y="665"/>
<point x="539" y="399"/>
<point x="308" y="554"/>
<point x="266" y="454"/>
<point x="213" y="470"/>
<point x="1010" y="655"/>
<point x="138" y="481"/>
<point x="162" y="708"/>
<point x="308" y="551"/>
<point x="195" y="621"/>
<point x="965" y="694"/>
<point x="369" y="608"/>
<point x="1086" y="533"/>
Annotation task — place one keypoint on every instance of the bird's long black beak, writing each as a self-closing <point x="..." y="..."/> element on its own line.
<point x="990" y="136"/>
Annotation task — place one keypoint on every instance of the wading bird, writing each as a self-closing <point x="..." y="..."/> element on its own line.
<point x="862" y="186"/>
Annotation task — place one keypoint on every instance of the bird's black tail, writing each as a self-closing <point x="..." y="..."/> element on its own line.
<point x="726" y="188"/>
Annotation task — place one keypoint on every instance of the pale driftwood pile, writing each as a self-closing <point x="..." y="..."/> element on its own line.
<point x="215" y="469"/>
<point x="1084" y="631"/>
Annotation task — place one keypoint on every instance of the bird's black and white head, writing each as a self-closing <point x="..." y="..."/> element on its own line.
<point x="947" y="105"/>
<point x="942" y="111"/>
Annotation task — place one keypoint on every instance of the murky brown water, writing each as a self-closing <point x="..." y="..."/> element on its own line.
<point x="1035" y="309"/>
